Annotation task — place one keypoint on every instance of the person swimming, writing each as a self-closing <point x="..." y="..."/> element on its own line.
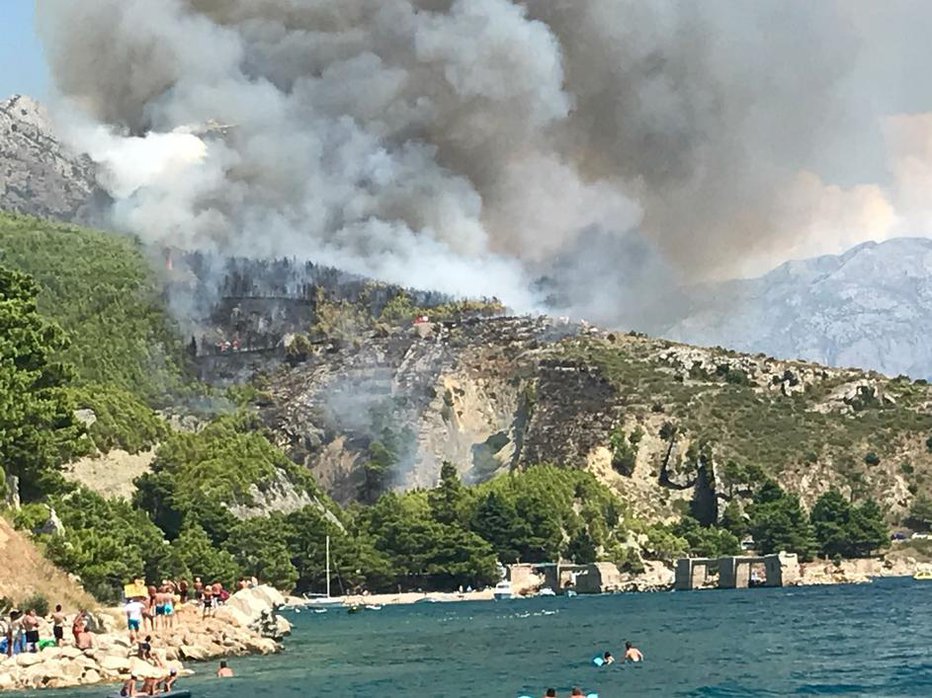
<point x="224" y="672"/>
<point x="632" y="653"/>
<point x="607" y="658"/>
<point x="551" y="693"/>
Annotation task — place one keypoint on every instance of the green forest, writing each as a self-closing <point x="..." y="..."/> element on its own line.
<point x="83" y="327"/>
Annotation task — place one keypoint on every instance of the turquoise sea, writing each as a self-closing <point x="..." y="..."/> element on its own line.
<point x="870" y="640"/>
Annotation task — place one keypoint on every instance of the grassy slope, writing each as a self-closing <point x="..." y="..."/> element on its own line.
<point x="24" y="572"/>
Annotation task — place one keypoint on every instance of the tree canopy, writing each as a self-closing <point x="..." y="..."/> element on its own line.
<point x="37" y="427"/>
<point x="845" y="530"/>
<point x="779" y="523"/>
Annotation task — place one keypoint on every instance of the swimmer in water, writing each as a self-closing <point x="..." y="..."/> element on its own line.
<point x="224" y="672"/>
<point x="607" y="658"/>
<point x="551" y="693"/>
<point x="632" y="653"/>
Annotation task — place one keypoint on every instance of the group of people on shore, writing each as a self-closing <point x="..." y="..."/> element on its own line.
<point x="155" y="610"/>
<point x="20" y="631"/>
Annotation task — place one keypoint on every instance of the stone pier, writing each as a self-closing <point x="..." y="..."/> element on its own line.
<point x="734" y="572"/>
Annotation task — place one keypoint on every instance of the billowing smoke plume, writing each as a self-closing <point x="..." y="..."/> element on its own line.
<point x="586" y="153"/>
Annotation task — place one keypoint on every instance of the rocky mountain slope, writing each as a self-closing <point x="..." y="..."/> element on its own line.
<point x="38" y="175"/>
<point x="659" y="421"/>
<point x="868" y="308"/>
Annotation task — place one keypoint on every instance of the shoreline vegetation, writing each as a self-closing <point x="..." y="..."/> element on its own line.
<point x="240" y="627"/>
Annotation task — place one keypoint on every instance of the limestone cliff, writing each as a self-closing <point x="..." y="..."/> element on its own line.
<point x="38" y="175"/>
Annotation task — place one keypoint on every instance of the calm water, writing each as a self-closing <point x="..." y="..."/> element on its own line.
<point x="872" y="640"/>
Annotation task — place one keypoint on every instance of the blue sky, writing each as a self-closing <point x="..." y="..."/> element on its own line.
<point x="22" y="65"/>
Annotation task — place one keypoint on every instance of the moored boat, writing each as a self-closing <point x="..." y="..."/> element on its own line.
<point x="502" y="591"/>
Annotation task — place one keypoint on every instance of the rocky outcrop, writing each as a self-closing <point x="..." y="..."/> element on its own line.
<point x="861" y="571"/>
<point x="278" y="496"/>
<point x="38" y="175"/>
<point x="244" y="626"/>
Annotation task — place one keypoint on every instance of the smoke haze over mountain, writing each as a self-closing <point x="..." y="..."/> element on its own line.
<point x="614" y="149"/>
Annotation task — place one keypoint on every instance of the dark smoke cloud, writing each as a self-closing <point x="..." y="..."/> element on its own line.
<point x="613" y="148"/>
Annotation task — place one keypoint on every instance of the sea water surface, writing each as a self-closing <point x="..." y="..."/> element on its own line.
<point x="868" y="640"/>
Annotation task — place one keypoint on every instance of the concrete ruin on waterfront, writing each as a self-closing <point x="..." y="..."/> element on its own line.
<point x="735" y="572"/>
<point x="594" y="578"/>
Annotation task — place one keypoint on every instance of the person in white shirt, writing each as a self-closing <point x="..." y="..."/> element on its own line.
<point x="133" y="611"/>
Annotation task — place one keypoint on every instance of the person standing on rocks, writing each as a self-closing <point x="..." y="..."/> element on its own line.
<point x="133" y="610"/>
<point x="14" y="631"/>
<point x="170" y="601"/>
<point x="82" y="638"/>
<point x="31" y="627"/>
<point x="148" y="615"/>
<point x="58" y="625"/>
<point x="156" y="601"/>
<point x="207" y="600"/>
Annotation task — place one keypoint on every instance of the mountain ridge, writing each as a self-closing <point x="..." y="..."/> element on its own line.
<point x="864" y="308"/>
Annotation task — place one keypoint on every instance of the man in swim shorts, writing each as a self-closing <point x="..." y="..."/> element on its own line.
<point x="58" y="625"/>
<point x="632" y="653"/>
<point x="133" y="611"/>
<point x="31" y="629"/>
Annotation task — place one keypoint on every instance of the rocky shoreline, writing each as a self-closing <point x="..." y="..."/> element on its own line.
<point x="246" y="624"/>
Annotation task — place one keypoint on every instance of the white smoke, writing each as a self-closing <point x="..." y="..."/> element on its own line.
<point x="474" y="146"/>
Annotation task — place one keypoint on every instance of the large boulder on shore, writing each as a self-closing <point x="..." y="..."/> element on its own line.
<point x="253" y="602"/>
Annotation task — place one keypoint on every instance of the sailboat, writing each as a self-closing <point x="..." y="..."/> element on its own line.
<point x="323" y="601"/>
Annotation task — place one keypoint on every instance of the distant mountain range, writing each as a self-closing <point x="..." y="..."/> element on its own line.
<point x="38" y="174"/>
<point x="870" y="307"/>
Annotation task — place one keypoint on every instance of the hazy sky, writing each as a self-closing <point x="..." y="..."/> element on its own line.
<point x="22" y="65"/>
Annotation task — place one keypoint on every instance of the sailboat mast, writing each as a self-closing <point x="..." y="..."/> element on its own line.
<point x="328" y="567"/>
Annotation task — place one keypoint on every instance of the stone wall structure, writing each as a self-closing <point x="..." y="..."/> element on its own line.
<point x="734" y="572"/>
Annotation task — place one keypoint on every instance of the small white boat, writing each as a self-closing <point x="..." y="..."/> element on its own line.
<point x="546" y="591"/>
<point x="373" y="607"/>
<point x="502" y="591"/>
<point x="321" y="602"/>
